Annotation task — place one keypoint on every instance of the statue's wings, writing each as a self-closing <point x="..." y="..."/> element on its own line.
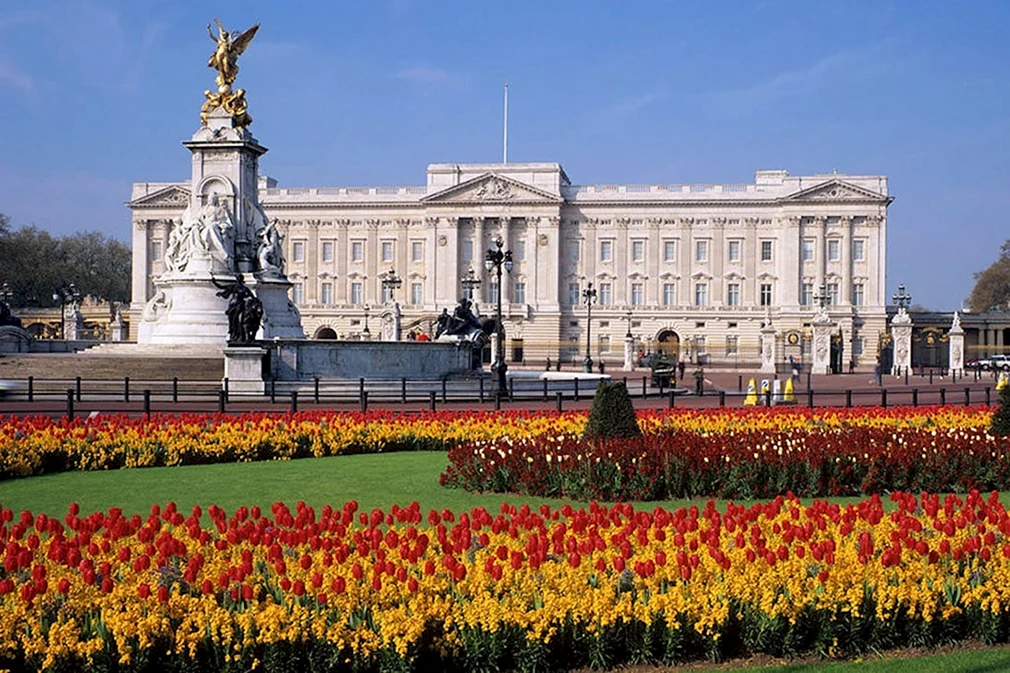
<point x="240" y="43"/>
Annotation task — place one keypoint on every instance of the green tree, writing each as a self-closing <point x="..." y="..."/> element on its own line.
<point x="35" y="264"/>
<point x="992" y="286"/>
<point x="613" y="414"/>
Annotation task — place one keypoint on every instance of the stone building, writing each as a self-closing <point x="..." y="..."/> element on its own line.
<point x="690" y="269"/>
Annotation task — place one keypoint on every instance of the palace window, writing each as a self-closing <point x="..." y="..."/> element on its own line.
<point x="356" y="294"/>
<point x="766" y="294"/>
<point x="573" y="294"/>
<point x="416" y="294"/>
<point x="807" y="250"/>
<point x="387" y="294"/>
<point x="731" y="344"/>
<point x="638" y="251"/>
<point x="701" y="251"/>
<point x="833" y="249"/>
<point x="519" y="251"/>
<point x="387" y="251"/>
<point x="733" y="294"/>
<point x="298" y="251"/>
<point x="606" y="294"/>
<point x="155" y="250"/>
<point x="669" y="294"/>
<point x="492" y="292"/>
<point x="606" y="251"/>
<point x="327" y="251"/>
<point x="298" y="293"/>
<point x="416" y="251"/>
<point x="733" y="250"/>
<point x="858" y="250"/>
<point x="833" y="294"/>
<point x="733" y="222"/>
<point x="766" y="251"/>
<point x="858" y="294"/>
<point x="701" y="294"/>
<point x="326" y="293"/>
<point x="604" y="346"/>
<point x="857" y="347"/>
<point x="670" y="251"/>
<point x="468" y="250"/>
<point x="807" y="294"/>
<point x="357" y="251"/>
<point x="637" y="294"/>
<point x="519" y="293"/>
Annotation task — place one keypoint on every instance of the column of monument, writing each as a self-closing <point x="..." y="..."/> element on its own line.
<point x="955" y="342"/>
<point x="901" y="333"/>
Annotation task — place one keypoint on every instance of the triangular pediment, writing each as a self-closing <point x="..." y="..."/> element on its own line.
<point x="172" y="195"/>
<point x="836" y="190"/>
<point x="492" y="188"/>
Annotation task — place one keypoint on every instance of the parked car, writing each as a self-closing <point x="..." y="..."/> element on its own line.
<point x="8" y="388"/>
<point x="999" y="363"/>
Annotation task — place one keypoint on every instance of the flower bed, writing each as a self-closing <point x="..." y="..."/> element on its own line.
<point x="38" y="445"/>
<point x="743" y="457"/>
<point x="543" y="589"/>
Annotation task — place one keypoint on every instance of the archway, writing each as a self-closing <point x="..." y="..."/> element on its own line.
<point x="327" y="333"/>
<point x="668" y="343"/>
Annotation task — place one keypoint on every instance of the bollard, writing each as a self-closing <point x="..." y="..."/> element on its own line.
<point x="512" y="390"/>
<point x="930" y="377"/>
<point x="915" y="397"/>
<point x="147" y="403"/>
<point x="315" y="389"/>
<point x="294" y="401"/>
<point x="722" y="397"/>
<point x="225" y="391"/>
<point x="906" y="376"/>
<point x="810" y="398"/>
<point x="625" y="380"/>
<point x="70" y="404"/>
<point x="883" y="397"/>
<point x="431" y="400"/>
<point x="31" y="388"/>
<point x="497" y="400"/>
<point x="967" y="397"/>
<point x="943" y="396"/>
<point x="576" y="381"/>
<point x="273" y="390"/>
<point x="364" y="401"/>
<point x="739" y="383"/>
<point x="126" y="388"/>
<point x="175" y="388"/>
<point x="545" y="389"/>
<point x="77" y="389"/>
<point x="558" y="397"/>
<point x="222" y="399"/>
<point x="661" y="386"/>
<point x="848" y="399"/>
<point x="673" y="395"/>
<point x="988" y="401"/>
<point x="444" y="400"/>
<point x="403" y="391"/>
<point x="808" y="378"/>
<point x="768" y="398"/>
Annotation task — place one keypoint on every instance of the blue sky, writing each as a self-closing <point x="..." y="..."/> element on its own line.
<point x="97" y="94"/>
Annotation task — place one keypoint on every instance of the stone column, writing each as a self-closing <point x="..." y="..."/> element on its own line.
<point x="629" y="353"/>
<point x="955" y="338"/>
<point x="477" y="260"/>
<point x="768" y="347"/>
<point x="823" y="328"/>
<point x="901" y="337"/>
<point x="506" y="278"/>
<point x="494" y="345"/>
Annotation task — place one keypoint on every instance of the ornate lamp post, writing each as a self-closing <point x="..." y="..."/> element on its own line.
<point x="821" y="297"/>
<point x="628" y="333"/>
<point x="493" y="261"/>
<point x="588" y="298"/>
<point x="65" y="294"/>
<point x="365" y="333"/>
<point x="390" y="284"/>
<point x="469" y="282"/>
<point x="901" y="298"/>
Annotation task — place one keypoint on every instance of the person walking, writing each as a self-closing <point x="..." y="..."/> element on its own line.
<point x="681" y="366"/>
<point x="699" y="380"/>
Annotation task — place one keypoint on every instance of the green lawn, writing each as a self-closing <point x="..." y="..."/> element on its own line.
<point x="989" y="660"/>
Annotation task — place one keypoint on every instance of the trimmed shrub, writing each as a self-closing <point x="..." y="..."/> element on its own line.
<point x="1000" y="423"/>
<point x="613" y="414"/>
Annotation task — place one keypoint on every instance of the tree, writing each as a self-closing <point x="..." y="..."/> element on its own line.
<point x="35" y="264"/>
<point x="613" y="414"/>
<point x="992" y="286"/>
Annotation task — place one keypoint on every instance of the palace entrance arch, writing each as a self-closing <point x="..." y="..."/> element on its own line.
<point x="668" y="342"/>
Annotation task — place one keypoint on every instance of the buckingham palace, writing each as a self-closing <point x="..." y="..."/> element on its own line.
<point x="692" y="269"/>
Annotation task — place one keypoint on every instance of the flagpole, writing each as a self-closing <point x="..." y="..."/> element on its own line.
<point x="505" y="130"/>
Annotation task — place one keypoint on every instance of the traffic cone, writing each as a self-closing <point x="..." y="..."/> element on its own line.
<point x="1001" y="381"/>
<point x="751" y="399"/>
<point x="789" y="396"/>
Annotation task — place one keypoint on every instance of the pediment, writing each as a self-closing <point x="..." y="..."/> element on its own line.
<point x="837" y="190"/>
<point x="172" y="196"/>
<point x="492" y="188"/>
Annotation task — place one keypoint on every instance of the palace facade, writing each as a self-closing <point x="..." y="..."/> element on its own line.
<point x="690" y="269"/>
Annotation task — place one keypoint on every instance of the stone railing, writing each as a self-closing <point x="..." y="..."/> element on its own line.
<point x="345" y="191"/>
<point x="576" y="190"/>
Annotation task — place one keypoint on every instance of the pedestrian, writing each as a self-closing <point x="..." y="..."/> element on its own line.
<point x="548" y="363"/>
<point x="876" y="372"/>
<point x="601" y="366"/>
<point x="699" y="380"/>
<point x="793" y="368"/>
<point x="681" y="366"/>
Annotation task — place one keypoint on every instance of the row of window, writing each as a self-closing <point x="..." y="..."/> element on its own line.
<point x="700" y="345"/>
<point x="734" y="248"/>
<point x="605" y="294"/>
<point x="415" y="296"/>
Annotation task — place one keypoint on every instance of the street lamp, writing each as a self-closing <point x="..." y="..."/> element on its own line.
<point x="365" y="333"/>
<point x="65" y="294"/>
<point x="588" y="298"/>
<point x="493" y="261"/>
<point x="900" y="298"/>
<point x="469" y="282"/>
<point x="390" y="283"/>
<point x="628" y="334"/>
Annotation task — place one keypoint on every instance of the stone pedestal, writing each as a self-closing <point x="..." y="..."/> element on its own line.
<point x="768" y="349"/>
<point x="73" y="326"/>
<point x="243" y="368"/>
<point x="117" y="328"/>
<point x="955" y="340"/>
<point x="823" y="329"/>
<point x="390" y="321"/>
<point x="901" y="337"/>
<point x="629" y="354"/>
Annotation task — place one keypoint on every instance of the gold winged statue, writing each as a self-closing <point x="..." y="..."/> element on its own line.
<point x="229" y="47"/>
